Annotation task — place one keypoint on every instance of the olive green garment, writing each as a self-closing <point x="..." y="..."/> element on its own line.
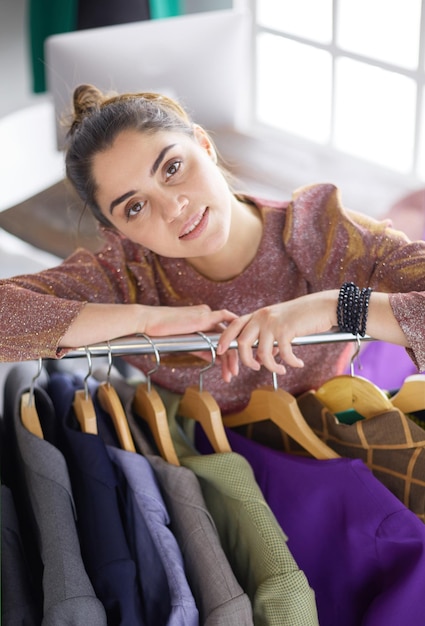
<point x="252" y="539"/>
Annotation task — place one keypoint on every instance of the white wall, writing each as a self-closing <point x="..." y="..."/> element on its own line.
<point x="15" y="68"/>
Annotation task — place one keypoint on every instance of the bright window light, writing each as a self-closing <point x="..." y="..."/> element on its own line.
<point x="347" y="74"/>
<point x="375" y="114"/>
<point x="386" y="30"/>
<point x="294" y="85"/>
<point x="311" y="19"/>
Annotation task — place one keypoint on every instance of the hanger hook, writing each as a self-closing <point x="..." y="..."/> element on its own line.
<point x="356" y="355"/>
<point x="213" y="358"/>
<point x="89" y="373"/>
<point x="34" y="380"/>
<point x="157" y="364"/>
<point x="108" y="374"/>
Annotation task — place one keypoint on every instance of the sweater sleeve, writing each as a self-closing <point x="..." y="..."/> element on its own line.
<point x="331" y="245"/>
<point x="37" y="309"/>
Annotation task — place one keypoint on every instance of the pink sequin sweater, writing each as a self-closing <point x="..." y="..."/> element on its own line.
<point x="309" y="244"/>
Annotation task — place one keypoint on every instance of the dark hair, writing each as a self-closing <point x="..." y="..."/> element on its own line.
<point x="98" y="119"/>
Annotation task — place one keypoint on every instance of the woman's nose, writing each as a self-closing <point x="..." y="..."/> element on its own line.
<point x="173" y="206"/>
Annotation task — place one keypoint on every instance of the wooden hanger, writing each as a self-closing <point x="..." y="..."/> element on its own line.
<point x="148" y="405"/>
<point x="29" y="415"/>
<point x="411" y="395"/>
<point x="279" y="406"/>
<point x="83" y="404"/>
<point x="348" y="391"/>
<point x="199" y="405"/>
<point x="111" y="403"/>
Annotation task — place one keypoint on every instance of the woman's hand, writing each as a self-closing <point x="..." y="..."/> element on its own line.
<point x="279" y="323"/>
<point x="101" y="322"/>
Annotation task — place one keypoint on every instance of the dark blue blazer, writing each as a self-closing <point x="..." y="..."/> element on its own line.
<point x="99" y="504"/>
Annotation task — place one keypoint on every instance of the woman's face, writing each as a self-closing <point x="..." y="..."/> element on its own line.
<point x="165" y="191"/>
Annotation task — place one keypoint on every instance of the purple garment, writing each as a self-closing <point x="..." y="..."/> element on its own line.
<point x="361" y="549"/>
<point x="384" y="364"/>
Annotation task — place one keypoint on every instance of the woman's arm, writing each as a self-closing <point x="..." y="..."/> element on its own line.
<point x="100" y="322"/>
<point x="307" y="315"/>
<point x="91" y="298"/>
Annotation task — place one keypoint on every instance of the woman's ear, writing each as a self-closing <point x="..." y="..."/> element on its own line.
<point x="203" y="139"/>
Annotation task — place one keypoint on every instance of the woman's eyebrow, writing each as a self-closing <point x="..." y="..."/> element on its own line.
<point x="160" y="157"/>
<point x="117" y="201"/>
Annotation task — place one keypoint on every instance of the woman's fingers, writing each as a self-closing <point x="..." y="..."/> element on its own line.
<point x="261" y="341"/>
<point x="229" y="365"/>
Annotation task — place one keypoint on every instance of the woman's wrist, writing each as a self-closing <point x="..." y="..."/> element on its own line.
<point x="372" y="315"/>
<point x="353" y="308"/>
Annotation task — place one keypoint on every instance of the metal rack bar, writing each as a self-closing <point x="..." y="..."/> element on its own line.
<point x="138" y="344"/>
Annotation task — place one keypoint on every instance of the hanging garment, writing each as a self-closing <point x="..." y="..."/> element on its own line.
<point x="167" y="598"/>
<point x="391" y="445"/>
<point x="362" y="551"/>
<point x="165" y="8"/>
<point x="173" y="603"/>
<point x="104" y="545"/>
<point x="385" y="364"/>
<point x="20" y="604"/>
<point x="68" y="592"/>
<point x="98" y="13"/>
<point x="13" y="475"/>
<point x="219" y="597"/>
<point x="250" y="535"/>
<point x="47" y="17"/>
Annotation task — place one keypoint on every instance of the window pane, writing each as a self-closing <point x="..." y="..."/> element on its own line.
<point x="311" y="19"/>
<point x="294" y="87"/>
<point x="375" y="114"/>
<point x="386" y="30"/>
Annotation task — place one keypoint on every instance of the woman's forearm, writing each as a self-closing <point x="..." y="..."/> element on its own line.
<point x="381" y="322"/>
<point x="100" y="322"/>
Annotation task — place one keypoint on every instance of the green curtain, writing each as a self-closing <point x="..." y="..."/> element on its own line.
<point x="47" y="17"/>
<point x="165" y="8"/>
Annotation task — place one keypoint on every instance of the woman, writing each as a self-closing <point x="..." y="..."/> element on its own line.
<point x="183" y="253"/>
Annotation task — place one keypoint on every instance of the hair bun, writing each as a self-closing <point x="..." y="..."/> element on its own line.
<point x="86" y="100"/>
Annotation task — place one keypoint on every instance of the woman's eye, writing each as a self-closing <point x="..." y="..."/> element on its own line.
<point x="134" y="209"/>
<point x="173" y="169"/>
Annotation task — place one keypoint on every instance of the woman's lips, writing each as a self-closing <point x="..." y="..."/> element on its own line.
<point x="196" y="226"/>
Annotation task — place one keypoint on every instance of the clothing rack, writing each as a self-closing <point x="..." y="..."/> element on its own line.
<point x="142" y="344"/>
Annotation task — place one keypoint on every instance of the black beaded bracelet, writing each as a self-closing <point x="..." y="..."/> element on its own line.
<point x="352" y="309"/>
<point x="365" y="297"/>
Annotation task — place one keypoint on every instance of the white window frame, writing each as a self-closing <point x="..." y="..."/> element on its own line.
<point x="277" y="162"/>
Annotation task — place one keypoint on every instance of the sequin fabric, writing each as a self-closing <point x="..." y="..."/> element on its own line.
<point x="309" y="244"/>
